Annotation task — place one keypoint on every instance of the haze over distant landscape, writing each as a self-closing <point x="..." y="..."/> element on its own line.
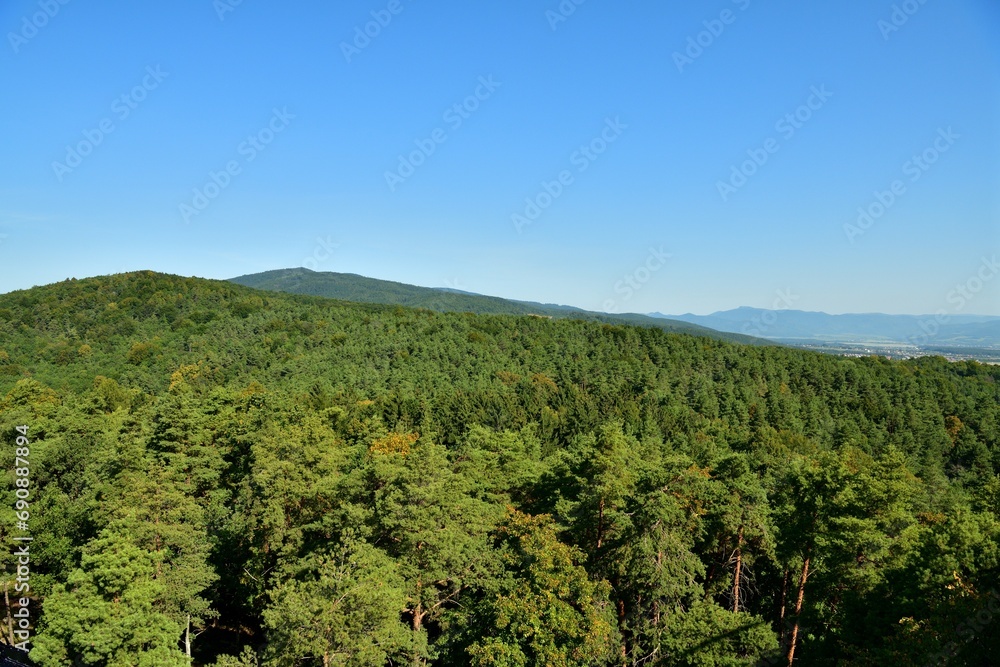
<point x="894" y="335"/>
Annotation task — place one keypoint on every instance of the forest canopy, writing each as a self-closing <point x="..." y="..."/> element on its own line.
<point x="249" y="478"/>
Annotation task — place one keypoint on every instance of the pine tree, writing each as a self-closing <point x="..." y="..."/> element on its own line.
<point x="107" y="612"/>
<point x="343" y="607"/>
<point x="550" y="612"/>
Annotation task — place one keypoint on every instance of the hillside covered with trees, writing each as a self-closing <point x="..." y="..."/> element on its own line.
<point x="361" y="289"/>
<point x="265" y="478"/>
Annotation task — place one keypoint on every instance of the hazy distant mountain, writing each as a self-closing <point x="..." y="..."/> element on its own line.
<point x="352" y="287"/>
<point x="802" y="326"/>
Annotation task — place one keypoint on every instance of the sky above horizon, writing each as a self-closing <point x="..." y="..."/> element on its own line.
<point x="631" y="157"/>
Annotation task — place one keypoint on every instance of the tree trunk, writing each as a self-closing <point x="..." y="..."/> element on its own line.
<point x="784" y="605"/>
<point x="418" y="622"/>
<point x="418" y="618"/>
<point x="600" y="524"/>
<point x="187" y="639"/>
<point x="711" y="572"/>
<point x="739" y="570"/>
<point x="798" y="611"/>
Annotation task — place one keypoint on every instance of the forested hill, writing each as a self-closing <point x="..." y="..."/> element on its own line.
<point x="303" y="481"/>
<point x="352" y="287"/>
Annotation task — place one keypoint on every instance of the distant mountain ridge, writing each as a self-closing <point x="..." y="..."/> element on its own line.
<point x="353" y="287"/>
<point x="803" y="326"/>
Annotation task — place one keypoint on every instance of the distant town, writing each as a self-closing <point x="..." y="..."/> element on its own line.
<point x="894" y="350"/>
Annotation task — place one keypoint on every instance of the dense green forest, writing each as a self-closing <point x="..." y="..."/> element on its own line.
<point x="274" y="479"/>
<point x="352" y="287"/>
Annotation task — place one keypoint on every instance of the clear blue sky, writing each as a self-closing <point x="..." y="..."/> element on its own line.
<point x="677" y="128"/>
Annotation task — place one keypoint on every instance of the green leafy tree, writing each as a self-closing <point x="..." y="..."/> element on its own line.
<point x="549" y="612"/>
<point x="344" y="607"/>
<point x="106" y="615"/>
<point x="706" y="635"/>
<point x="436" y="531"/>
